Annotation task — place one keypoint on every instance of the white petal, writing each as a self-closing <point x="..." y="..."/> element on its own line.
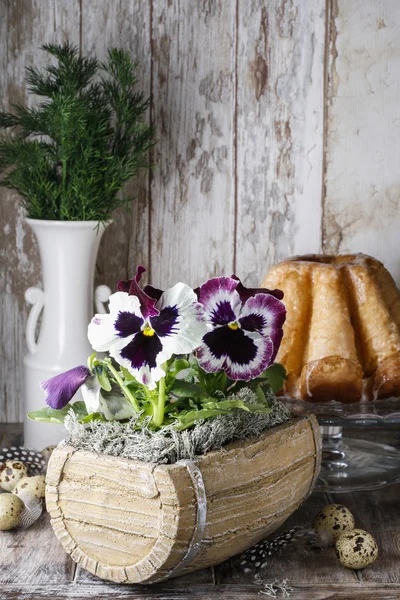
<point x="190" y="326"/>
<point x="91" y="394"/>
<point x="123" y="302"/>
<point x="113" y="406"/>
<point x="101" y="332"/>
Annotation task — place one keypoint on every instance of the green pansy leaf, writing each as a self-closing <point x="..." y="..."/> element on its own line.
<point x="102" y="376"/>
<point x="127" y="376"/>
<point x="275" y="375"/>
<point x="260" y="394"/>
<point x="180" y="364"/>
<point x="50" y="415"/>
<point x="93" y="417"/>
<point x="185" y="389"/>
<point x="79" y="409"/>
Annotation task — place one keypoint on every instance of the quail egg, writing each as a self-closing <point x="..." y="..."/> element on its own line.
<point x="10" y="511"/>
<point x="47" y="452"/>
<point x="30" y="488"/>
<point x="332" y="521"/>
<point x="356" y="549"/>
<point x="11" y="472"/>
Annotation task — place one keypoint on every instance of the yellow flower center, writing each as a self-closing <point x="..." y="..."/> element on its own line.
<point x="148" y="331"/>
<point x="233" y="325"/>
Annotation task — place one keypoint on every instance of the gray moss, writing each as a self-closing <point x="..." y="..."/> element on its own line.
<point x="169" y="445"/>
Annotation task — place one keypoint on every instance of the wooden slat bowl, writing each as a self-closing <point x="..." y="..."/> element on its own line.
<point x="134" y="522"/>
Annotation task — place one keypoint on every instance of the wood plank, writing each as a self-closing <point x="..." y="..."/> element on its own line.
<point x="33" y="556"/>
<point x="362" y="200"/>
<point x="11" y="434"/>
<point x="378" y="513"/>
<point x="279" y="132"/>
<point x="201" y="592"/>
<point x="205" y="576"/>
<point x="25" y="26"/>
<point x="124" y="25"/>
<point x="192" y="217"/>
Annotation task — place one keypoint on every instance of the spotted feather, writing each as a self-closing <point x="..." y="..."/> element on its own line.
<point x="34" y="460"/>
<point x="256" y="558"/>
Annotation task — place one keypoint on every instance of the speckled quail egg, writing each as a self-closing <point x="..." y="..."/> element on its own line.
<point x="11" y="472"/>
<point x="10" y="511"/>
<point x="47" y="452"/>
<point x="356" y="549"/>
<point x="30" y="488"/>
<point x="332" y="521"/>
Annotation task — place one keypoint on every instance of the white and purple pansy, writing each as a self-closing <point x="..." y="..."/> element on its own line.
<point x="141" y="333"/>
<point x="244" y="328"/>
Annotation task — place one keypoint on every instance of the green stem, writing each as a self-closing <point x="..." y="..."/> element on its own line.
<point x="127" y="393"/>
<point x="224" y="381"/>
<point x="160" y="406"/>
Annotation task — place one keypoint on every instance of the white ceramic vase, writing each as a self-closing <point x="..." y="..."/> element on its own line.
<point x="68" y="251"/>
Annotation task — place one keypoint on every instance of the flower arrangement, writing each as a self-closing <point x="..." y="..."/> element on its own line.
<point x="69" y="157"/>
<point x="175" y="358"/>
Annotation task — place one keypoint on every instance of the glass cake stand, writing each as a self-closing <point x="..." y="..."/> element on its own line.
<point x="349" y="461"/>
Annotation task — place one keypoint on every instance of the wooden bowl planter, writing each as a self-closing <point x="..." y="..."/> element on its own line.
<point x="134" y="522"/>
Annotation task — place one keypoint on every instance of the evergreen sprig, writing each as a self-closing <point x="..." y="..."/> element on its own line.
<point x="69" y="157"/>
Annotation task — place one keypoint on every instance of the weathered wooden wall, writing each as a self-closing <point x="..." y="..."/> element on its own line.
<point x="278" y="128"/>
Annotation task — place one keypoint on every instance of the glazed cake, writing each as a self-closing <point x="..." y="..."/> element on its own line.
<point x="342" y="332"/>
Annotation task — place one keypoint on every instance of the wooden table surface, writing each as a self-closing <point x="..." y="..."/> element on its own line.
<point x="34" y="566"/>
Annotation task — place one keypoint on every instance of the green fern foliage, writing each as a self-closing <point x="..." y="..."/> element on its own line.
<point x="69" y="157"/>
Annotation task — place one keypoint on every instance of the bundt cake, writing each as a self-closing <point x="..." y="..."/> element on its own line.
<point x="342" y="332"/>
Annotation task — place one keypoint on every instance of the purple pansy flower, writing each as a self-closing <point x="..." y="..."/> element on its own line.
<point x="245" y="328"/>
<point x="141" y="333"/>
<point x="61" y="388"/>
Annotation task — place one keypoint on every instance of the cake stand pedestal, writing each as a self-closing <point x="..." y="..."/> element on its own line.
<point x="350" y="461"/>
<point x="351" y="464"/>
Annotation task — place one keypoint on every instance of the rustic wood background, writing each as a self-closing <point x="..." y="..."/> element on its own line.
<point x="279" y="133"/>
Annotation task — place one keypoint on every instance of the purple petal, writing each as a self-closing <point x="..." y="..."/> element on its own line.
<point x="253" y="322"/>
<point x="221" y="302"/>
<point x="266" y="315"/>
<point x="127" y="324"/>
<point x="261" y="361"/>
<point x="147" y="304"/>
<point x="153" y="292"/>
<point x="239" y="355"/>
<point x="124" y="286"/>
<point x="142" y="351"/>
<point x="222" y="314"/>
<point x="246" y="293"/>
<point x="61" y="388"/>
<point x="166" y="322"/>
<point x="276" y="337"/>
<point x="216" y="290"/>
<point x="231" y="343"/>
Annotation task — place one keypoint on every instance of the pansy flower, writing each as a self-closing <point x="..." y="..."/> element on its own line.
<point x="141" y="332"/>
<point x="245" y="328"/>
<point x="61" y="388"/>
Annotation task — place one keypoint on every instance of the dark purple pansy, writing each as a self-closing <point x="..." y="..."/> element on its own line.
<point x="245" y="328"/>
<point x="61" y="388"/>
